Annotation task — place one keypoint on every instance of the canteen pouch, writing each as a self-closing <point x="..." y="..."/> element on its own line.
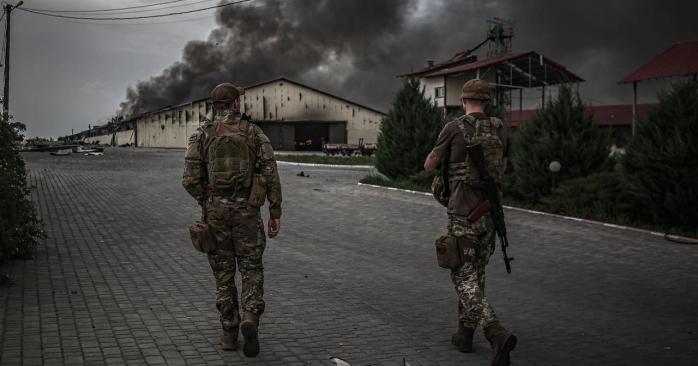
<point x="448" y="252"/>
<point x="258" y="192"/>
<point x="201" y="237"/>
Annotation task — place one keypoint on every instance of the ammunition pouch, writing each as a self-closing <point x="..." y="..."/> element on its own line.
<point x="202" y="237"/>
<point x="448" y="253"/>
<point x="258" y="192"/>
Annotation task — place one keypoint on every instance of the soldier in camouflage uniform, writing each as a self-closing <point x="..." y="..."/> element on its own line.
<point x="476" y="239"/>
<point x="226" y="159"/>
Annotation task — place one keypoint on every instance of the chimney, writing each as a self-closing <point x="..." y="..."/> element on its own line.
<point x="430" y="63"/>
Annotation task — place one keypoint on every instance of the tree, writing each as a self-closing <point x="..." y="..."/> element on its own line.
<point x="563" y="131"/>
<point x="661" y="161"/>
<point x="408" y="132"/>
<point x="20" y="229"/>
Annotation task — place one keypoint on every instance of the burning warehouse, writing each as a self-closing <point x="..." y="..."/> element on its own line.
<point x="294" y="116"/>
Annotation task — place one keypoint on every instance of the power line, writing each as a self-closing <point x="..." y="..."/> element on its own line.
<point x="104" y="10"/>
<point x="128" y="24"/>
<point x="135" y="17"/>
<point x="119" y="11"/>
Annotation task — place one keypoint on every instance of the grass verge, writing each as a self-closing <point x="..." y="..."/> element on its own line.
<point x="324" y="159"/>
<point x="422" y="183"/>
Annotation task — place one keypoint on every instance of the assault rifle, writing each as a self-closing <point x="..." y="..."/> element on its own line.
<point x="492" y="195"/>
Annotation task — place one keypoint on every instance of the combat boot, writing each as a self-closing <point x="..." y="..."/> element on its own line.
<point x="502" y="342"/>
<point x="463" y="338"/>
<point x="249" y="329"/>
<point x="229" y="340"/>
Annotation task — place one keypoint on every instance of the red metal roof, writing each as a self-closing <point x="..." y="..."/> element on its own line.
<point x="605" y="115"/>
<point x="542" y="70"/>
<point x="681" y="59"/>
<point x="476" y="65"/>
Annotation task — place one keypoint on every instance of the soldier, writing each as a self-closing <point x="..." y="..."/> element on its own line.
<point x="229" y="170"/>
<point x="476" y="239"/>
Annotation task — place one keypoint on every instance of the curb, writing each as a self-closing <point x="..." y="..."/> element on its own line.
<point x="575" y="219"/>
<point x="326" y="165"/>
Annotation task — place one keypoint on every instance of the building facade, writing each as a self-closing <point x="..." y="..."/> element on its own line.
<point x="294" y="116"/>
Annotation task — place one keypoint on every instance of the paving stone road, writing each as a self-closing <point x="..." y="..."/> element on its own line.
<point x="353" y="275"/>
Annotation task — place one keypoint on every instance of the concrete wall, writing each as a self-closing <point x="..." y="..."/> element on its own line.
<point x="285" y="101"/>
<point x="170" y="128"/>
<point x="122" y="137"/>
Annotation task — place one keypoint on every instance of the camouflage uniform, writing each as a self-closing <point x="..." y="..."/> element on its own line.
<point x="478" y="237"/>
<point x="236" y="225"/>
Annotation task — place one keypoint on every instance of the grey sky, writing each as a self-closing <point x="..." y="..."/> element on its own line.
<point x="68" y="74"/>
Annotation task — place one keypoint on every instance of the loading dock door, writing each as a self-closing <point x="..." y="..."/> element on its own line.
<point x="303" y="135"/>
<point x="309" y="136"/>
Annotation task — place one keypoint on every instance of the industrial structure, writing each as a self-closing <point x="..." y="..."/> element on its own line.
<point x="294" y="116"/>
<point x="509" y="73"/>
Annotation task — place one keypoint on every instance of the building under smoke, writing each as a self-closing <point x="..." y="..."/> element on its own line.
<point x="294" y="116"/>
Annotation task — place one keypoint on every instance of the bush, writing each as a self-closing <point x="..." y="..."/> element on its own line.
<point x="563" y="132"/>
<point x="602" y="196"/>
<point x="20" y="228"/>
<point x="408" y="132"/>
<point x="661" y="161"/>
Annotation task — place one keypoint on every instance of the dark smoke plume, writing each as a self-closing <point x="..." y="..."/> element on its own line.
<point x="356" y="48"/>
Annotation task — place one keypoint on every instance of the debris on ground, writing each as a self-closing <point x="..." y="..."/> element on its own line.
<point x="62" y="152"/>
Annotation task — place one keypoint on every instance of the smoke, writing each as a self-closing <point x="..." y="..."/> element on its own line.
<point x="356" y="48"/>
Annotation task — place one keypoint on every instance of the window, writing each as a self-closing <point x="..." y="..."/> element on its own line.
<point x="439" y="92"/>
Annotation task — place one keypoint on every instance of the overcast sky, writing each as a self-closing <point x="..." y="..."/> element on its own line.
<point x="69" y="73"/>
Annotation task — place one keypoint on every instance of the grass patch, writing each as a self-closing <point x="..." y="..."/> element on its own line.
<point x="324" y="159"/>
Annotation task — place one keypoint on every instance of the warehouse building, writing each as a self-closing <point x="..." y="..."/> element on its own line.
<point x="294" y="116"/>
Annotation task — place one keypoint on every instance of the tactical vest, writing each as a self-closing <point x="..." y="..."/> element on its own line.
<point x="230" y="158"/>
<point x="485" y="133"/>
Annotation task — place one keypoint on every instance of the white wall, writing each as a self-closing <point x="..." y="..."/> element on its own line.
<point x="286" y="101"/>
<point x="170" y="128"/>
<point x="122" y="137"/>
<point x="430" y="85"/>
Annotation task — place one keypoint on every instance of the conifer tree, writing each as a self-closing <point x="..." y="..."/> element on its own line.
<point x="408" y="132"/>
<point x="563" y="131"/>
<point x="661" y="161"/>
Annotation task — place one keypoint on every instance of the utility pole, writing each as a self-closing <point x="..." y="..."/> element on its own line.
<point x="6" y="88"/>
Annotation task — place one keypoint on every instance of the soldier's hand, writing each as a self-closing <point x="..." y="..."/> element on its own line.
<point x="274" y="227"/>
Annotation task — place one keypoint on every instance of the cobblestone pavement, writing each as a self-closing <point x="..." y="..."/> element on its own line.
<point x="353" y="275"/>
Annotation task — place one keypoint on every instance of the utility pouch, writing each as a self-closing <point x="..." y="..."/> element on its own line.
<point x="258" y="192"/>
<point x="438" y="189"/>
<point x="448" y="252"/>
<point x="202" y="236"/>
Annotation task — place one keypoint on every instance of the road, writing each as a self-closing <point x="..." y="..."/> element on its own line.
<point x="352" y="275"/>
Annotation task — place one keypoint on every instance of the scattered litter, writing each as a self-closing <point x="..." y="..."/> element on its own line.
<point x="62" y="152"/>
<point x="302" y="174"/>
<point x="94" y="154"/>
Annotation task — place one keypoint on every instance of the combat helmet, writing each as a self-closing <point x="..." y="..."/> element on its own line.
<point x="226" y="93"/>
<point x="476" y="89"/>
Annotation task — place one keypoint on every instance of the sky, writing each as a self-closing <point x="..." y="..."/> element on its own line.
<point x="68" y="74"/>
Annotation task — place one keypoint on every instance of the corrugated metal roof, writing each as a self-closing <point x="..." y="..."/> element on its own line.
<point x="543" y="71"/>
<point x="681" y="59"/>
<point x="605" y="115"/>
